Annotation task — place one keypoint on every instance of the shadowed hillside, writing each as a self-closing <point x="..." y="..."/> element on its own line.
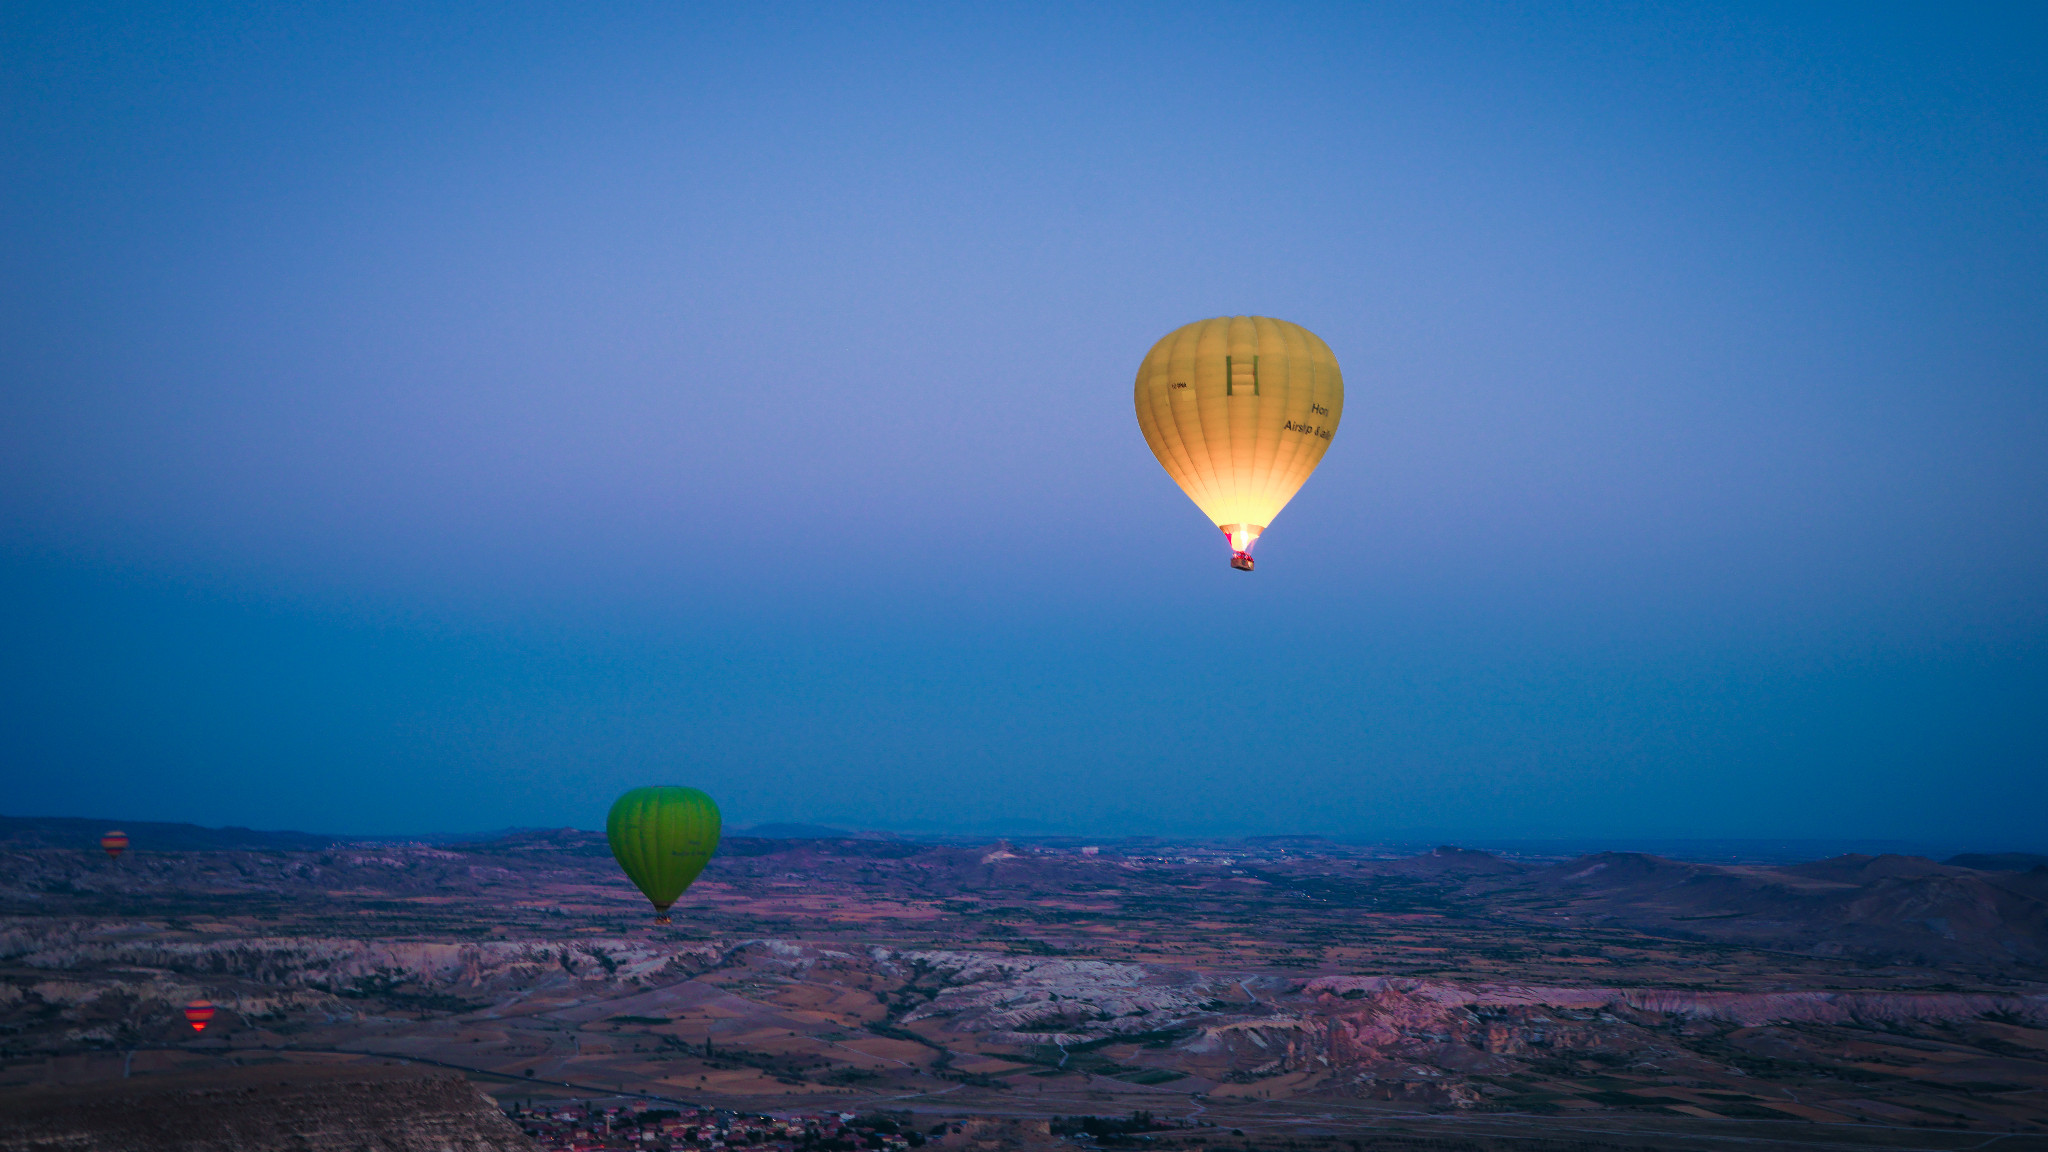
<point x="353" y="1109"/>
<point x="1904" y="908"/>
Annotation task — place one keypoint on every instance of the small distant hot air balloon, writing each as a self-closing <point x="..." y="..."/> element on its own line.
<point x="197" y="1013"/>
<point x="662" y="838"/>
<point x="1240" y="410"/>
<point x="115" y="843"/>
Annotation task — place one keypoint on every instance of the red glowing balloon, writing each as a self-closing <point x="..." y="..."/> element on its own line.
<point x="197" y="1013"/>
<point x="115" y="843"/>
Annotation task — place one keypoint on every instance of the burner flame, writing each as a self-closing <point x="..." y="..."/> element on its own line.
<point x="1242" y="537"/>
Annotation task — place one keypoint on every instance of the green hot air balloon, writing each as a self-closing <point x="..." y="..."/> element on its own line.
<point x="663" y="837"/>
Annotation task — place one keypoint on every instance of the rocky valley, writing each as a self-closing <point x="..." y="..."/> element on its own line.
<point x="1283" y="987"/>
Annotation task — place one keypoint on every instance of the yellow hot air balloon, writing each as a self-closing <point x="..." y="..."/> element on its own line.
<point x="1240" y="410"/>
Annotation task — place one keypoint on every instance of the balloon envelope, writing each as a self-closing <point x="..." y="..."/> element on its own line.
<point x="197" y="1013"/>
<point x="114" y="843"/>
<point x="662" y="837"/>
<point x="1239" y="410"/>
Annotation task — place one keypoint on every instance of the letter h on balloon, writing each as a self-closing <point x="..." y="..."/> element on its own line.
<point x="1235" y="374"/>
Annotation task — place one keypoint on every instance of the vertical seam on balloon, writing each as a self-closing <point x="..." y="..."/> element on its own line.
<point x="1334" y="393"/>
<point x="1244" y="457"/>
<point x="1279" y="469"/>
<point x="1205" y="470"/>
<point x="1262" y="469"/>
<point x="1220" y="494"/>
<point x="1209" y="479"/>
<point x="1309" y="448"/>
<point x="1162" y="414"/>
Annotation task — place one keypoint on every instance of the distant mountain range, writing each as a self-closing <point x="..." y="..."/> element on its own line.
<point x="144" y="835"/>
<point x="73" y="832"/>
<point x="1854" y="905"/>
<point x="2000" y="861"/>
<point x="158" y="836"/>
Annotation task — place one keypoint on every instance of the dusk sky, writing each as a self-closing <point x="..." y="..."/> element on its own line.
<point x="423" y="419"/>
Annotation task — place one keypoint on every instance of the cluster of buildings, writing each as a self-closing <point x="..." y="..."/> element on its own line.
<point x="577" y="1128"/>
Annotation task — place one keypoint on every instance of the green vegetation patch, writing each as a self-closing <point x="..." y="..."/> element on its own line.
<point x="1613" y="1099"/>
<point x="1740" y="1111"/>
<point x="1528" y="1102"/>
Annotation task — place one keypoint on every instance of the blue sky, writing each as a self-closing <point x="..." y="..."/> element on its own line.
<point x="427" y="417"/>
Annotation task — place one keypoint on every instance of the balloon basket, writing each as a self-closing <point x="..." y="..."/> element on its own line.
<point x="1241" y="537"/>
